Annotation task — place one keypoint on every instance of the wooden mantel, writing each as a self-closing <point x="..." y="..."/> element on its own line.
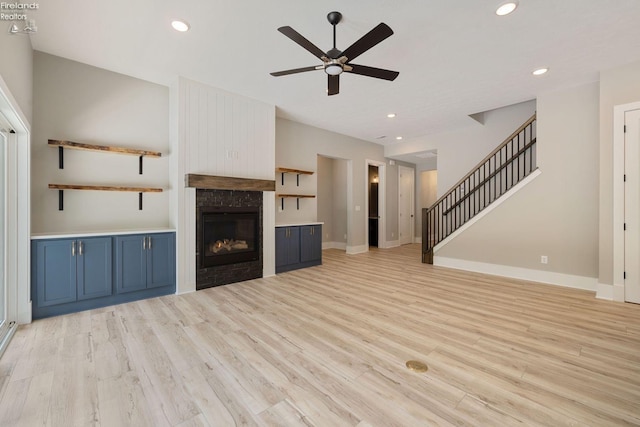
<point x="212" y="182"/>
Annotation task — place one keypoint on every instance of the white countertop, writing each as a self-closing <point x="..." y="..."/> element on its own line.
<point x="297" y="224"/>
<point x="61" y="235"/>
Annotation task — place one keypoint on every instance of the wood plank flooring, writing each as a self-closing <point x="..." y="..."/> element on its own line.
<point x="327" y="346"/>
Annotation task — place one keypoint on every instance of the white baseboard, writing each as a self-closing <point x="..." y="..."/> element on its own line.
<point x="610" y="292"/>
<point x="334" y="245"/>
<point x="604" y="291"/>
<point x="549" y="277"/>
<point x="353" y="250"/>
<point x="391" y="244"/>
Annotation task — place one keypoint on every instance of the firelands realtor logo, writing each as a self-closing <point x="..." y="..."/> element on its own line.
<point x="14" y="11"/>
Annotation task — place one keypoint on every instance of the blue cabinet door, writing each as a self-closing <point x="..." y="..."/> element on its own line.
<point x="310" y="243"/>
<point x="161" y="260"/>
<point x="55" y="272"/>
<point x="131" y="263"/>
<point x="294" y="245"/>
<point x="282" y="247"/>
<point x="94" y="267"/>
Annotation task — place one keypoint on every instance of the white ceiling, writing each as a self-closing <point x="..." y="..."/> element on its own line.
<point x="455" y="58"/>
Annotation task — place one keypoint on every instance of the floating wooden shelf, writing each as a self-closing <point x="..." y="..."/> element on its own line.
<point x="139" y="190"/>
<point x="294" y="196"/>
<point x="105" y="188"/>
<point x="103" y="148"/>
<point x="109" y="148"/>
<point x="298" y="172"/>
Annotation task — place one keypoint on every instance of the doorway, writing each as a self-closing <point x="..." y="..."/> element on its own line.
<point x="374" y="216"/>
<point x="632" y="206"/>
<point x="4" y="327"/>
<point x="14" y="216"/>
<point x="332" y="196"/>
<point x="406" y="204"/>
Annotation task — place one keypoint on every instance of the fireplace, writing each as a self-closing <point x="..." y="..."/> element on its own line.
<point x="229" y="236"/>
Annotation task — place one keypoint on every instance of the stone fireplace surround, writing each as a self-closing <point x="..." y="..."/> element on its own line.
<point x="216" y="192"/>
<point x="207" y="277"/>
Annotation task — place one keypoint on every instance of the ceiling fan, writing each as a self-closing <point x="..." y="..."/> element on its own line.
<point x="334" y="61"/>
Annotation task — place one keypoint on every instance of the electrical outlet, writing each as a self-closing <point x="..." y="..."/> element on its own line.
<point x="544" y="259"/>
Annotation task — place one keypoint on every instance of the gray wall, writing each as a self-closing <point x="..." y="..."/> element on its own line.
<point x="298" y="145"/>
<point x="556" y="214"/>
<point x="80" y="103"/>
<point x="16" y="68"/>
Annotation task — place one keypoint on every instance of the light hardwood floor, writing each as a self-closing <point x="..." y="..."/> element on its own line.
<point x="327" y="346"/>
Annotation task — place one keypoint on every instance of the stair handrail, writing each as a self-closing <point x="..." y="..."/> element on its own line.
<point x="435" y="231"/>
<point x="483" y="161"/>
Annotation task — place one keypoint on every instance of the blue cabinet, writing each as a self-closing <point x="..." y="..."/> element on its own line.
<point x="287" y="247"/>
<point x="144" y="261"/>
<point x="298" y="247"/>
<point x="94" y="267"/>
<point x="75" y="274"/>
<point x="69" y="270"/>
<point x="55" y="275"/>
<point x="311" y="243"/>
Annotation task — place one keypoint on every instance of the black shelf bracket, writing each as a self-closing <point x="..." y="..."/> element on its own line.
<point x="61" y="198"/>
<point x="60" y="158"/>
<point x="282" y="203"/>
<point x="140" y="165"/>
<point x="298" y="202"/>
<point x="282" y="179"/>
<point x="140" y="199"/>
<point x="298" y="180"/>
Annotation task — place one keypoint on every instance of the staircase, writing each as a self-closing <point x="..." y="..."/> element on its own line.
<point x="500" y="171"/>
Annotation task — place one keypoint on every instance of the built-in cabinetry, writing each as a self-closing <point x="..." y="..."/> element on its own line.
<point x="72" y="274"/>
<point x="298" y="246"/>
<point x="144" y="261"/>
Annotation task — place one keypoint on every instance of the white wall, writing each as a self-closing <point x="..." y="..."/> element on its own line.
<point x="617" y="86"/>
<point x="214" y="132"/>
<point x="81" y="103"/>
<point x="555" y="215"/>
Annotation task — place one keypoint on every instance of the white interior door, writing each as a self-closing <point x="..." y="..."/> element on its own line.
<point x="3" y="277"/>
<point x="632" y="206"/>
<point x="406" y="191"/>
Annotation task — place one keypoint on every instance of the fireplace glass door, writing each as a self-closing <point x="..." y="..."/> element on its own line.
<point x="229" y="237"/>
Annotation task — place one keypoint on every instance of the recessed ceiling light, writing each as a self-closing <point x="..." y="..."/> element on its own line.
<point x="391" y="115"/>
<point x="398" y="138"/>
<point x="540" y="71"/>
<point x="180" y="25"/>
<point x="506" y="8"/>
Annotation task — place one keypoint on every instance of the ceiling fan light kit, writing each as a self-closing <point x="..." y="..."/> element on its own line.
<point x="335" y="61"/>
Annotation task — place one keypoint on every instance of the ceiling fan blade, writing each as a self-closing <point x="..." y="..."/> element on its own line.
<point x="369" y="40"/>
<point x="378" y="73"/>
<point x="302" y="41"/>
<point x="294" y="71"/>
<point x="334" y="85"/>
